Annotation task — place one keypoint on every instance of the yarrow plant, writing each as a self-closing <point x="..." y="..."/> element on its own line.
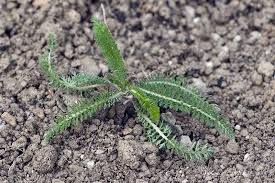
<point x="148" y="96"/>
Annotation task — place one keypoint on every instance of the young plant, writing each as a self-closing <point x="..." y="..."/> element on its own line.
<point x="149" y="95"/>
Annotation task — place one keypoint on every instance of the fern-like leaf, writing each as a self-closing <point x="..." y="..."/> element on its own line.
<point x="48" y="68"/>
<point x="82" y="111"/>
<point x="161" y="135"/>
<point x="110" y="51"/>
<point x="169" y="92"/>
<point x="79" y="82"/>
<point x="82" y="82"/>
<point x="45" y="61"/>
<point x="52" y="43"/>
<point x="148" y="105"/>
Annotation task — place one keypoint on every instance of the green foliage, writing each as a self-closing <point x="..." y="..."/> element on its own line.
<point x="82" y="111"/>
<point x="52" y="43"/>
<point x="149" y="95"/>
<point x="77" y="83"/>
<point x="110" y="51"/>
<point x="161" y="135"/>
<point x="146" y="104"/>
<point x="82" y="82"/>
<point x="48" y="69"/>
<point x="178" y="96"/>
<point x="45" y="61"/>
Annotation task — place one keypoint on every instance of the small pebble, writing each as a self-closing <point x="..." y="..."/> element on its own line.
<point x="127" y="131"/>
<point x="244" y="132"/>
<point x="200" y="85"/>
<point x="266" y="68"/>
<point x="259" y="167"/>
<point x="237" y="38"/>
<point x="238" y="127"/>
<point x="44" y="159"/>
<point x="185" y="139"/>
<point x="88" y="65"/>
<point x="232" y="147"/>
<point x="73" y="16"/>
<point x="245" y="174"/>
<point x="91" y="164"/>
<point x="19" y="143"/>
<point x="208" y="68"/>
<point x="8" y="118"/>
<point x="254" y="36"/>
<point x="168" y="117"/>
<point x="99" y="151"/>
<point x="152" y="159"/>
<point x="40" y="3"/>
<point x="137" y="129"/>
<point x="257" y="78"/>
<point x="39" y="112"/>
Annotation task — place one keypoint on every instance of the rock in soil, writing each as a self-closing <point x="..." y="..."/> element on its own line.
<point x="9" y="119"/>
<point x="19" y="143"/>
<point x="184" y="139"/>
<point x="152" y="159"/>
<point x="5" y="62"/>
<point x="44" y="160"/>
<point x="129" y="152"/>
<point x="232" y="147"/>
<point x="89" y="65"/>
<point x="257" y="78"/>
<point x="266" y="68"/>
<point x="169" y="118"/>
<point x="40" y="3"/>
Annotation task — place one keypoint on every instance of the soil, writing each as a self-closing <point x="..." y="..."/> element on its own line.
<point x="225" y="47"/>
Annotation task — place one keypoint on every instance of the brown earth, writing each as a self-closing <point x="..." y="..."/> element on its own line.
<point x="226" y="48"/>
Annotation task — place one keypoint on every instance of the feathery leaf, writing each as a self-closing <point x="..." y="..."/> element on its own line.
<point x="178" y="96"/>
<point x="48" y="68"/>
<point x="161" y="135"/>
<point x="52" y="43"/>
<point x="79" y="82"/>
<point x="81" y="112"/>
<point x="82" y="82"/>
<point x="110" y="51"/>
<point x="147" y="105"/>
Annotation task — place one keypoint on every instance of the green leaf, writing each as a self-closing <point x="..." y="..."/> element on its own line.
<point x="169" y="92"/>
<point x="82" y="111"/>
<point x="52" y="43"/>
<point x="48" y="69"/>
<point x="76" y="83"/>
<point x="82" y="82"/>
<point x="110" y="51"/>
<point x="161" y="135"/>
<point x="146" y="104"/>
